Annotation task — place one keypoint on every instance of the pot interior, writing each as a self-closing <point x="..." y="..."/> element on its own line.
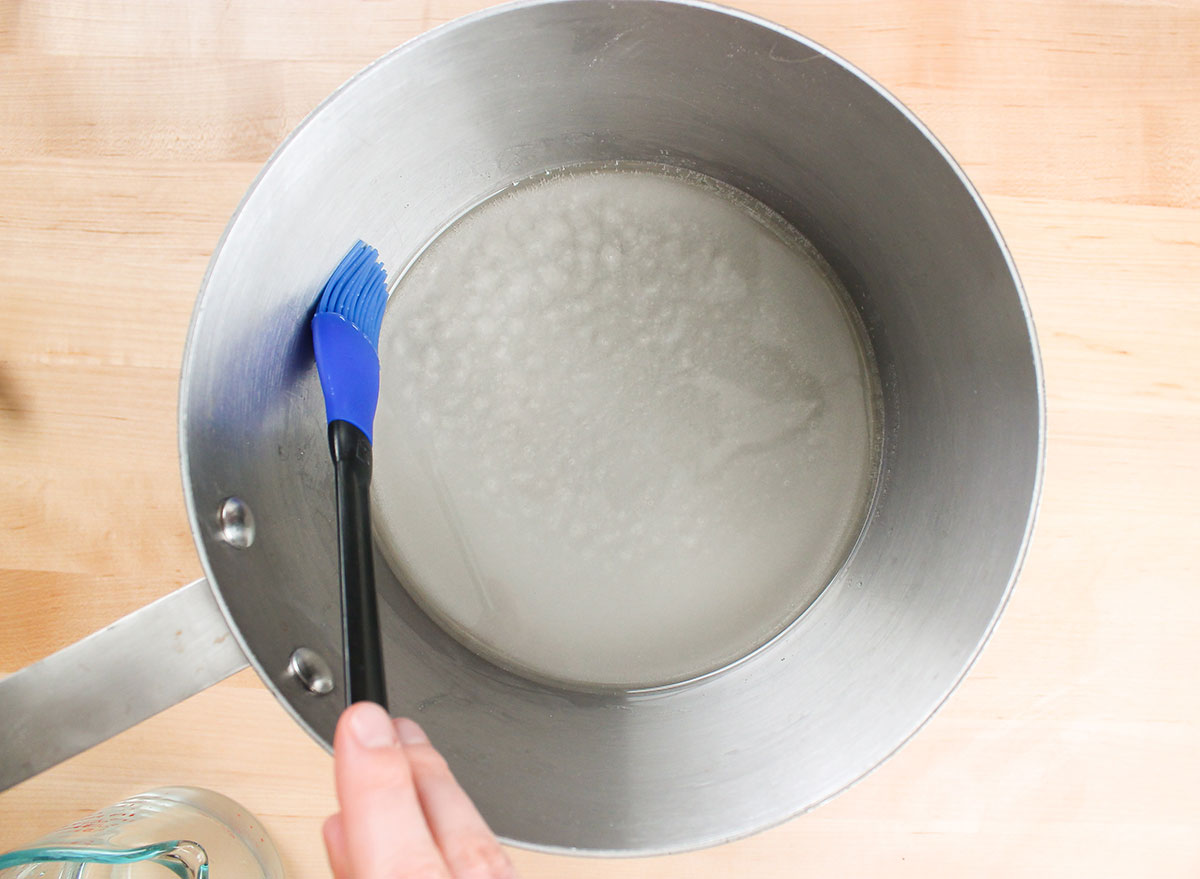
<point x="628" y="427"/>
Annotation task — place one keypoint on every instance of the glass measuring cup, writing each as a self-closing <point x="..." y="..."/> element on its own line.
<point x="186" y="832"/>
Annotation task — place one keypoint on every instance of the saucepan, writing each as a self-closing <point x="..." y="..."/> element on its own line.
<point x="393" y="156"/>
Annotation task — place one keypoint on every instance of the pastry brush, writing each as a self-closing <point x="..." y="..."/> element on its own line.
<point x="345" y="332"/>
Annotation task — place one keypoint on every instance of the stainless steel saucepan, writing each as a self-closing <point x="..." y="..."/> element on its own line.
<point x="404" y="147"/>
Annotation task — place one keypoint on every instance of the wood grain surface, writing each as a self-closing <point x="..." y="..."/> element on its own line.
<point x="128" y="132"/>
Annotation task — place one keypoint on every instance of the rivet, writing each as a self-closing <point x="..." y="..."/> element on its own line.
<point x="311" y="671"/>
<point x="236" y="523"/>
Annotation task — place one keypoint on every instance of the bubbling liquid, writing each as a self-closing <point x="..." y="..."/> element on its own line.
<point x="626" y="431"/>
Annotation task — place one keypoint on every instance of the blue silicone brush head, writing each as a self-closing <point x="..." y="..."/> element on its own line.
<point x="357" y="290"/>
<point x="346" y="337"/>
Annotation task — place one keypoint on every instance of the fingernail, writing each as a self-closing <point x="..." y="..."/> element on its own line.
<point x="410" y="733"/>
<point x="371" y="726"/>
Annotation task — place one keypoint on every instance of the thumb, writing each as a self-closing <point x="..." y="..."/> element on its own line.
<point x="385" y="828"/>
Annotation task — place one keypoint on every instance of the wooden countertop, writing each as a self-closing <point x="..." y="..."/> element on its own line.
<point x="128" y="132"/>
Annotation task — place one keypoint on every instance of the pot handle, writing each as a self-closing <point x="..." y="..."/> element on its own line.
<point x="116" y="677"/>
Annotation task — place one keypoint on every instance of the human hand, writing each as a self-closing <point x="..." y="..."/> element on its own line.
<point x="403" y="816"/>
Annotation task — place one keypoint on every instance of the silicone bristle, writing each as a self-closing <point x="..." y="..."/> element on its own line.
<point x="357" y="290"/>
<point x="337" y="280"/>
<point x="342" y="293"/>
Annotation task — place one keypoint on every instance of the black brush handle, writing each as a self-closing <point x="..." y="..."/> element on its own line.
<point x="361" y="649"/>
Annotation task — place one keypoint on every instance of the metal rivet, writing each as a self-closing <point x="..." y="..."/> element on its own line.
<point x="311" y="670"/>
<point x="236" y="523"/>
